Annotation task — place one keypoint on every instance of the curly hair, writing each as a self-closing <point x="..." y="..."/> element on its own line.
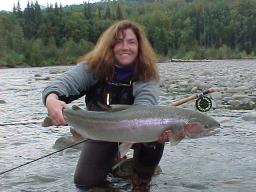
<point x="101" y="58"/>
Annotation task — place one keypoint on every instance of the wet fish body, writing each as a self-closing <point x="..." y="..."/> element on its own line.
<point x="136" y="123"/>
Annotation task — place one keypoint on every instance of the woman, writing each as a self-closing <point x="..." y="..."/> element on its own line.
<point x="121" y="69"/>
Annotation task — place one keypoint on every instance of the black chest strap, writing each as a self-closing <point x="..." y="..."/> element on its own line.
<point x="104" y="93"/>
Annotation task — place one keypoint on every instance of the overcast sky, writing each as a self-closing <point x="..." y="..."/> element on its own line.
<point x="7" y="5"/>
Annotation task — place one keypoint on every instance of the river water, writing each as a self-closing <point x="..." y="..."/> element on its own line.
<point x="222" y="162"/>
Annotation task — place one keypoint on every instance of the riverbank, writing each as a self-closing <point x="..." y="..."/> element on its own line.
<point x="161" y="60"/>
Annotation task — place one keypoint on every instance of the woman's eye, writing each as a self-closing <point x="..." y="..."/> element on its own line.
<point x="132" y="42"/>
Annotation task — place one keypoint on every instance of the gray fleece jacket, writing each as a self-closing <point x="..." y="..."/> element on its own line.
<point x="73" y="84"/>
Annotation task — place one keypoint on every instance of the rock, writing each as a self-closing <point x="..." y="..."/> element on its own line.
<point x="124" y="169"/>
<point x="47" y="122"/>
<point x="241" y="106"/>
<point x="216" y="95"/>
<point x="238" y="90"/>
<point x="43" y="78"/>
<point x="201" y="85"/>
<point x="66" y="141"/>
<point x="2" y="101"/>
<point x="250" y="116"/>
<point x="207" y="73"/>
<point x="239" y="96"/>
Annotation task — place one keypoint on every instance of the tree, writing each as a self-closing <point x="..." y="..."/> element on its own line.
<point x="36" y="52"/>
<point x="108" y="12"/>
<point x="87" y="11"/>
<point x="119" y="13"/>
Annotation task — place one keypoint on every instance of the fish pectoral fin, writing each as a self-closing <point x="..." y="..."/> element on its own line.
<point x="176" y="137"/>
<point x="124" y="148"/>
<point x="174" y="142"/>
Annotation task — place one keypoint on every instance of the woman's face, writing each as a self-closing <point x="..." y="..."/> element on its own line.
<point x="126" y="48"/>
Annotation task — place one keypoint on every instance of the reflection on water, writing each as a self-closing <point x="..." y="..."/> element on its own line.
<point x="223" y="162"/>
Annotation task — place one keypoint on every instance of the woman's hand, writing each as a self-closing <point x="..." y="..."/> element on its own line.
<point x="54" y="107"/>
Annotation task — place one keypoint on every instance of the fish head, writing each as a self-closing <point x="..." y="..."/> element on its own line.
<point x="200" y="125"/>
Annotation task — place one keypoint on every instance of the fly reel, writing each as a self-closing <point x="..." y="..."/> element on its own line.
<point x="203" y="103"/>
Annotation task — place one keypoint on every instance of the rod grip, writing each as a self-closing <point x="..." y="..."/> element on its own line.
<point x="185" y="100"/>
<point x="192" y="97"/>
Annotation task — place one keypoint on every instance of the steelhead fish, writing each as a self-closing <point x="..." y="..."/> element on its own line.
<point x="139" y="124"/>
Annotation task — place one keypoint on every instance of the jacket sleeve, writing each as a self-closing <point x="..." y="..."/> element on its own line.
<point x="146" y="93"/>
<point x="71" y="85"/>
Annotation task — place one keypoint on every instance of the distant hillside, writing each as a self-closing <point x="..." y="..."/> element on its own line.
<point x="185" y="29"/>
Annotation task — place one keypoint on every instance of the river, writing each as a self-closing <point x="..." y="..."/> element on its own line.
<point x="224" y="162"/>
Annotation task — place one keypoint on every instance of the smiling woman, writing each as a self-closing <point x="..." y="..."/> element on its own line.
<point x="121" y="69"/>
<point x="123" y="43"/>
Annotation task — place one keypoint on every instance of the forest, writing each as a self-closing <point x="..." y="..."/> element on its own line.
<point x="180" y="29"/>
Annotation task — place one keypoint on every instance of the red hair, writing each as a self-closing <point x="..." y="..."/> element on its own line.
<point x="101" y="59"/>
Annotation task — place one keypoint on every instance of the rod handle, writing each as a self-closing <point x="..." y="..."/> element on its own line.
<point x="192" y="97"/>
<point x="184" y="100"/>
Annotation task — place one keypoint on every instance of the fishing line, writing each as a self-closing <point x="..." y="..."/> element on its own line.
<point x="9" y="170"/>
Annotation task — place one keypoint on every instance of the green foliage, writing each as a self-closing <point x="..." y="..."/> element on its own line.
<point x="108" y="14"/>
<point x="119" y="13"/>
<point x="36" y="53"/>
<point x="14" y="58"/>
<point x="188" y="29"/>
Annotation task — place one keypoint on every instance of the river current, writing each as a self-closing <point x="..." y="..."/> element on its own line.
<point x="224" y="162"/>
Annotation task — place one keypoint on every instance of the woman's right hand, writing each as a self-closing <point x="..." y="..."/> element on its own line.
<point x="55" y="107"/>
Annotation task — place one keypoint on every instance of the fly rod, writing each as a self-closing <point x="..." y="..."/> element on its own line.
<point x="72" y="145"/>
<point x="203" y="103"/>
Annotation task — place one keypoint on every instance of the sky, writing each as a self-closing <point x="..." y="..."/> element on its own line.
<point x="7" y="5"/>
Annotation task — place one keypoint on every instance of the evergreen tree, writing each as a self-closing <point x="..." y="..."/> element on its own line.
<point x="108" y="12"/>
<point x="87" y="11"/>
<point x="119" y="13"/>
<point x="179" y="28"/>
<point x="99" y="10"/>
